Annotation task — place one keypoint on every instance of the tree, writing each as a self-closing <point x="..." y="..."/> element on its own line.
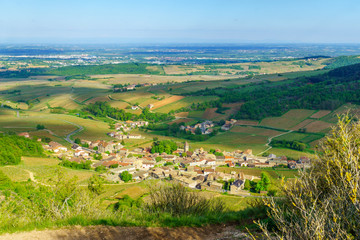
<point x="40" y="127"/>
<point x="158" y="159"/>
<point x="77" y="140"/>
<point x="247" y="185"/>
<point x="123" y="142"/>
<point x="198" y="131"/>
<point x="264" y="183"/>
<point x="126" y="176"/>
<point x="96" y="184"/>
<point x="323" y="202"/>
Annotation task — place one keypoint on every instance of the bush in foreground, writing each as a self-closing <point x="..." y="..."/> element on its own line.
<point x="324" y="202"/>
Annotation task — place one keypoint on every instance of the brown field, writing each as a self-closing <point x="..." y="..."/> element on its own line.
<point x="302" y="124"/>
<point x="210" y="114"/>
<point x="182" y="114"/>
<point x="100" y="99"/>
<point x="167" y="101"/>
<point x="246" y="122"/>
<point x="318" y="126"/>
<point x="180" y="120"/>
<point x="320" y="114"/>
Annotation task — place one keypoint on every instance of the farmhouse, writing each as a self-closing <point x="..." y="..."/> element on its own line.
<point x="24" y="134"/>
<point x="57" y="147"/>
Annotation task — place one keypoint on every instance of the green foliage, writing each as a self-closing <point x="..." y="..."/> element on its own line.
<point x="342" y="61"/>
<point x="127" y="202"/>
<point x="100" y="169"/>
<point x="96" y="184"/>
<point x="97" y="156"/>
<point x="12" y="147"/>
<point x="158" y="159"/>
<point x="166" y="146"/>
<point x="213" y="151"/>
<point x="114" y="165"/>
<point x="176" y="200"/>
<point x="296" y="145"/>
<point x="77" y="141"/>
<point x="126" y="176"/>
<point x="168" y="164"/>
<point x="40" y="127"/>
<point x="264" y="183"/>
<point x="103" y="109"/>
<point x="75" y="165"/>
<point x="323" y="202"/>
<point x="247" y="185"/>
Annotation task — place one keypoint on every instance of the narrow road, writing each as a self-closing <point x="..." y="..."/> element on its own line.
<point x="80" y="128"/>
<point x="68" y="137"/>
<point x="270" y="139"/>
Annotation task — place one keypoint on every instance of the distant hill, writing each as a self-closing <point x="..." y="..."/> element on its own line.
<point x="342" y="61"/>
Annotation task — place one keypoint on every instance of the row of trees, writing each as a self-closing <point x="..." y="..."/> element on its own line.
<point x="74" y="165"/>
<point x="103" y="109"/>
<point x="296" y="145"/>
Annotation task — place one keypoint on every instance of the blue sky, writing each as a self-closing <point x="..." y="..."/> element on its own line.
<point x="175" y="21"/>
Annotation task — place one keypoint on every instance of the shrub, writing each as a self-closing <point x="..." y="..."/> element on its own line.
<point x="324" y="202"/>
<point x="177" y="200"/>
<point x="126" y="176"/>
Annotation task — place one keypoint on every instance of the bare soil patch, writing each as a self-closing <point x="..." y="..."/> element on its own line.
<point x="132" y="233"/>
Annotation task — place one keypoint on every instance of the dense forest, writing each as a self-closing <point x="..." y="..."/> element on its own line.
<point x="325" y="91"/>
<point x="12" y="147"/>
<point x="103" y="109"/>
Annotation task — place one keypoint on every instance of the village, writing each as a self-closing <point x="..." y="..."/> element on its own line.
<point x="194" y="168"/>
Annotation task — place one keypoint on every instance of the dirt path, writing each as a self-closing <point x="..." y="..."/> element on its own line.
<point x="31" y="176"/>
<point x="218" y="232"/>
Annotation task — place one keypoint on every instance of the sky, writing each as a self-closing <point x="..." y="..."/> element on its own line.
<point x="180" y="21"/>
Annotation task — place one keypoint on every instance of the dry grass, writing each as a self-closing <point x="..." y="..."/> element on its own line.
<point x="318" y="126"/>
<point x="182" y="114"/>
<point x="302" y="124"/>
<point x="167" y="101"/>
<point x="246" y="122"/>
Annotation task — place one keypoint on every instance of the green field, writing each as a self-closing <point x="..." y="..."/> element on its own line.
<point x="288" y="120"/>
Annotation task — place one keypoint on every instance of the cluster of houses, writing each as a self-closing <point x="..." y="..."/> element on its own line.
<point x="228" y="125"/>
<point x="132" y="87"/>
<point x="205" y="127"/>
<point x="123" y="129"/>
<point x="197" y="169"/>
